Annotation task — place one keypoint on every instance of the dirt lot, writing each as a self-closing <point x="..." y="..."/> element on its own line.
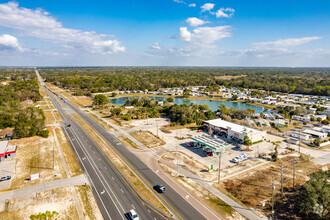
<point x="147" y="138"/>
<point x="255" y="187"/>
<point x="59" y="200"/>
<point x="35" y="155"/>
<point x="188" y="163"/>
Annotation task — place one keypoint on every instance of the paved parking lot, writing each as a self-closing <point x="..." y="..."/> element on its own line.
<point x="7" y="168"/>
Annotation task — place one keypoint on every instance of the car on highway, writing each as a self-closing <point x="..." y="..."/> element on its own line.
<point x="159" y="188"/>
<point x="5" y="178"/>
<point x="132" y="215"/>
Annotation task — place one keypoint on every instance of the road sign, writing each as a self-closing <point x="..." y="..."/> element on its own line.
<point x="35" y="176"/>
<point x="211" y="168"/>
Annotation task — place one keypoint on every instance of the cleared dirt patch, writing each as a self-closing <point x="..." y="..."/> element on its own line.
<point x="35" y="155"/>
<point x="147" y="138"/>
<point x="59" y="200"/>
<point x="255" y="187"/>
<point x="188" y="163"/>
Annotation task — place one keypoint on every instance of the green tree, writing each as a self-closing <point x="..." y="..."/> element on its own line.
<point x="247" y="141"/>
<point x="234" y="97"/>
<point x="325" y="122"/>
<point x="48" y="215"/>
<point x="170" y="99"/>
<point x="100" y="100"/>
<point x="317" y="141"/>
<point x="313" y="199"/>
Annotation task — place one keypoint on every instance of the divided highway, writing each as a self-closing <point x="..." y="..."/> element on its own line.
<point x="114" y="194"/>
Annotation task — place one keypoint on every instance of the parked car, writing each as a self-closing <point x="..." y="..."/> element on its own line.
<point x="239" y="158"/>
<point x="5" y="178"/>
<point x="199" y="130"/>
<point x="209" y="153"/>
<point x="133" y="215"/>
<point x="159" y="188"/>
<point x="191" y="144"/>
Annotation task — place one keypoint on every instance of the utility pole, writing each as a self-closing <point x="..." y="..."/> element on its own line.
<point x="219" y="167"/>
<point x="53" y="157"/>
<point x="282" y="180"/>
<point x="293" y="164"/>
<point x="299" y="141"/>
<point x="273" y="187"/>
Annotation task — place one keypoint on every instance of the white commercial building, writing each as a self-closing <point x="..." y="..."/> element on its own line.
<point x="234" y="131"/>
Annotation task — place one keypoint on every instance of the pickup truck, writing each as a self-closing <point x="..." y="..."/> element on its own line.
<point x="5" y="178"/>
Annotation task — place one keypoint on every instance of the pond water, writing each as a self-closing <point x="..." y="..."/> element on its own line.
<point x="214" y="105"/>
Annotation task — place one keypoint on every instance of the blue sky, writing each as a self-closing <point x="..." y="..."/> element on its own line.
<point x="165" y="32"/>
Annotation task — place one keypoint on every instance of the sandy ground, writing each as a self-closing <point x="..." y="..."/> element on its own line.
<point x="59" y="200"/>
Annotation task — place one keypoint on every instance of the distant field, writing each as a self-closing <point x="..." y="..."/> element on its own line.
<point x="229" y="77"/>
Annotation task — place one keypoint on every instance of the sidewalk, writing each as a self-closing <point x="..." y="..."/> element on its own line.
<point x="20" y="193"/>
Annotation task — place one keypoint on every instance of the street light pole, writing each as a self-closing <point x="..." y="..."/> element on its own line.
<point x="219" y="167"/>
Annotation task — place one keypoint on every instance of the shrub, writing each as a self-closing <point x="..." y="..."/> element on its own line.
<point x="44" y="133"/>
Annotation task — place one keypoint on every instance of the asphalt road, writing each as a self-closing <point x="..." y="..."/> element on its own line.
<point x="177" y="204"/>
<point x="115" y="195"/>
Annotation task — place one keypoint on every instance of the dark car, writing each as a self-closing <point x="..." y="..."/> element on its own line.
<point x="209" y="154"/>
<point x="5" y="178"/>
<point x="159" y="188"/>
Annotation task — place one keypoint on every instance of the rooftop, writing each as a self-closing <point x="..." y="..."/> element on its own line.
<point x="214" y="143"/>
<point x="3" y="146"/>
<point x="234" y="127"/>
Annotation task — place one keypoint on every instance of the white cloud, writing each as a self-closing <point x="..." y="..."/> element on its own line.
<point x="179" y="1"/>
<point x="284" y="43"/>
<point x="185" y="35"/>
<point x="202" y="38"/>
<point x="39" y="24"/>
<point x="156" y="46"/>
<point x="192" y="5"/>
<point x="8" y="42"/>
<point x="222" y="12"/>
<point x="194" y="22"/>
<point x="207" y="7"/>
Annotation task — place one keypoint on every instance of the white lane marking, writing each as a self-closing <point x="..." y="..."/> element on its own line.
<point x="84" y="158"/>
<point x="99" y="158"/>
<point x="99" y="176"/>
<point x="113" y="178"/>
<point x="106" y="168"/>
<point x="103" y="192"/>
<point x="149" y="211"/>
<point x="133" y="206"/>
<point x="122" y="190"/>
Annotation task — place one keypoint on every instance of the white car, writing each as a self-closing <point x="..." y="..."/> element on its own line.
<point x="133" y="215"/>
<point x="236" y="159"/>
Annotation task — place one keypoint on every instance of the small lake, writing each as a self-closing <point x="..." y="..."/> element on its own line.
<point x="214" y="105"/>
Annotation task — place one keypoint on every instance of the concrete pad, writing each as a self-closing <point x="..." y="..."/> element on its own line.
<point x="7" y="168"/>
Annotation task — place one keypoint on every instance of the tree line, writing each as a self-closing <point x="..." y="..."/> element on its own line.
<point x="19" y="85"/>
<point x="84" y="81"/>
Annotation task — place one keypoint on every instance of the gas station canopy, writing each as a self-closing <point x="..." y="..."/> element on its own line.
<point x="215" y="144"/>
